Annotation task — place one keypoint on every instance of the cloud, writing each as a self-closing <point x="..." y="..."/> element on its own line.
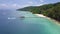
<point x="41" y="0"/>
<point x="21" y="5"/>
<point x="30" y="2"/>
<point x="39" y="4"/>
<point x="13" y="6"/>
<point x="10" y="6"/>
<point x="3" y="5"/>
<point x="26" y="5"/>
<point x="16" y="6"/>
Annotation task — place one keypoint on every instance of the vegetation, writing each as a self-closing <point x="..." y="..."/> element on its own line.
<point x="50" y="10"/>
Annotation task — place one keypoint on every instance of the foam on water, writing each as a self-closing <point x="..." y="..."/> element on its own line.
<point x="11" y="18"/>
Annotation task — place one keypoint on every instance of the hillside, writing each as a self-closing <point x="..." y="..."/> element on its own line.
<point x="50" y="10"/>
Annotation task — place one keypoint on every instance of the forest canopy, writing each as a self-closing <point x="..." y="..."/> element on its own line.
<point x="50" y="10"/>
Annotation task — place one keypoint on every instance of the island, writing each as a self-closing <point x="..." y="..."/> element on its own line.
<point x="50" y="10"/>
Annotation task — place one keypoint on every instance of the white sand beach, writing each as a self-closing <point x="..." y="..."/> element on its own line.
<point x="41" y="15"/>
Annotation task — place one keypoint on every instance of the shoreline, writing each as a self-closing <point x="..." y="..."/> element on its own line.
<point x="41" y="15"/>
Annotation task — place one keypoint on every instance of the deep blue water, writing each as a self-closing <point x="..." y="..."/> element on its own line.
<point x="11" y="23"/>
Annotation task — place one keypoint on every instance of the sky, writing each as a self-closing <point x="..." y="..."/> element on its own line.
<point x="24" y="3"/>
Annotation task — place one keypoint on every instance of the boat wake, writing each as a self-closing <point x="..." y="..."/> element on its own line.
<point x="11" y="18"/>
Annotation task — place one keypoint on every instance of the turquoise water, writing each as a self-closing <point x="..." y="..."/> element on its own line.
<point x="42" y="25"/>
<point x="11" y="23"/>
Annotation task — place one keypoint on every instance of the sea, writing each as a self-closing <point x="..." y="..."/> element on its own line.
<point x="24" y="22"/>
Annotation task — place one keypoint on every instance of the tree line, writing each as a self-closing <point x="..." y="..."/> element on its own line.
<point x="50" y="10"/>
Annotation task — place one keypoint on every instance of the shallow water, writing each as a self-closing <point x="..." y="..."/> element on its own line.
<point x="11" y="23"/>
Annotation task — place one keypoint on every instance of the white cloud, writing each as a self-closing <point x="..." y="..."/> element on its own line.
<point x="39" y="4"/>
<point x="41" y="0"/>
<point x="26" y="5"/>
<point x="16" y="6"/>
<point x="3" y="5"/>
<point x="10" y="6"/>
<point x="30" y="2"/>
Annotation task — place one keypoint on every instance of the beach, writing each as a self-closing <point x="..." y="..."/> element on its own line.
<point x="41" y="15"/>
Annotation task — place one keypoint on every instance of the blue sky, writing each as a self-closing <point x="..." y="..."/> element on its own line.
<point x="23" y="3"/>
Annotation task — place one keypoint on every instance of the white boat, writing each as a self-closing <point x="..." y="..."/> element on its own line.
<point x="11" y="18"/>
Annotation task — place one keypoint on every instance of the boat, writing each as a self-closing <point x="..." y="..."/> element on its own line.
<point x="22" y="16"/>
<point x="11" y="18"/>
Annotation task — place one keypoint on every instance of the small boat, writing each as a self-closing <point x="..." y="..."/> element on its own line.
<point x="11" y="18"/>
<point x="22" y="17"/>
